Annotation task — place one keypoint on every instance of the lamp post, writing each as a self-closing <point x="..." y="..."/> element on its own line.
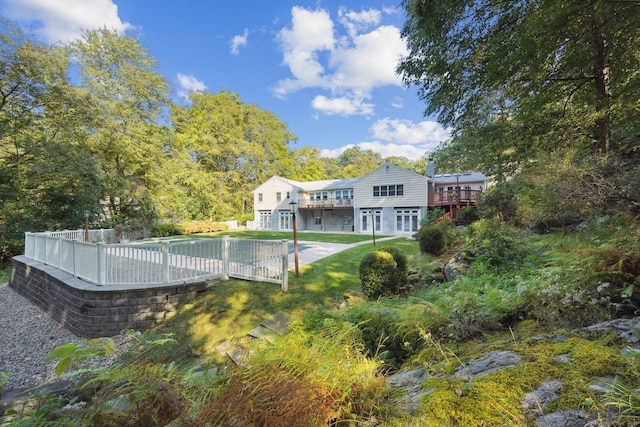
<point x="86" y="225"/>
<point x="292" y="208"/>
<point x="373" y="226"/>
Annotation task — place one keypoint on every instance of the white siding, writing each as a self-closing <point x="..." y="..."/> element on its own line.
<point x="414" y="185"/>
<point x="269" y="191"/>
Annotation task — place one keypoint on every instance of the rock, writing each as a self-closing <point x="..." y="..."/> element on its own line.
<point x="571" y="418"/>
<point x="409" y="383"/>
<point x="536" y="401"/>
<point x="491" y="362"/>
<point x="626" y="328"/>
<point x="455" y="267"/>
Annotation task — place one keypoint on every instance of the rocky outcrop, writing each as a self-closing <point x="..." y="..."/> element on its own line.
<point x="408" y="385"/>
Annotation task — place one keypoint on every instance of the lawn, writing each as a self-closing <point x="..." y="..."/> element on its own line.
<point x="232" y="308"/>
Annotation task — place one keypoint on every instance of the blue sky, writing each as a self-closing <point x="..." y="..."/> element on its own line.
<point x="324" y="67"/>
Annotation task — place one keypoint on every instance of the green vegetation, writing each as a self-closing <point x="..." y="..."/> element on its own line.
<point x="383" y="272"/>
<point x="287" y="235"/>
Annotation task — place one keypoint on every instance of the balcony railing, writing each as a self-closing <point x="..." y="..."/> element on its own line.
<point x="453" y="197"/>
<point x="325" y="203"/>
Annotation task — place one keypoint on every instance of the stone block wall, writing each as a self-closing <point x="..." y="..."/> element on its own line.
<point x="92" y="311"/>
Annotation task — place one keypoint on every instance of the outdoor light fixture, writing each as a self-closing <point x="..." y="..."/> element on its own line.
<point x="86" y="225"/>
<point x="292" y="208"/>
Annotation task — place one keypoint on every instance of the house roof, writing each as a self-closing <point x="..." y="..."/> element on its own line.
<point x="327" y="184"/>
<point x="463" y="177"/>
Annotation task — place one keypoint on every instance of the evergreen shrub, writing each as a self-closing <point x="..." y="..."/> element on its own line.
<point x="378" y="274"/>
<point x="432" y="239"/>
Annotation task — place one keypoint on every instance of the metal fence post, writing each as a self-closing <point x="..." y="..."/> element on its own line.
<point x="102" y="263"/>
<point x="165" y="260"/>
<point x="285" y="265"/>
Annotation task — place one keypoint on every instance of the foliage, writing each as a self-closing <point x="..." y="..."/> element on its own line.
<point x="193" y="227"/>
<point x="499" y="202"/>
<point x="302" y="379"/>
<point x="165" y="229"/>
<point x="496" y="245"/>
<point x="524" y="78"/>
<point x="433" y="239"/>
<point x="626" y="398"/>
<point x="432" y="215"/>
<point x="378" y="274"/>
<point x="401" y="264"/>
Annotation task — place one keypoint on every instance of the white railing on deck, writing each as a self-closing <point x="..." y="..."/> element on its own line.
<point x="162" y="261"/>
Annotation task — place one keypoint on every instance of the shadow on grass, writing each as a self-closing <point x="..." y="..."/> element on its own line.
<point x="232" y="308"/>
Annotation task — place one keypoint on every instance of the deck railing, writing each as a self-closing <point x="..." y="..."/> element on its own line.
<point x="325" y="203"/>
<point x="160" y="262"/>
<point x="452" y="197"/>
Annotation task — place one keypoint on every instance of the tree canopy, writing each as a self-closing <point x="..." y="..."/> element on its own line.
<point x="519" y="77"/>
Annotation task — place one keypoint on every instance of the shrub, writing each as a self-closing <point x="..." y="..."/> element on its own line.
<point x="207" y="226"/>
<point x="432" y="239"/>
<point x="401" y="265"/>
<point x="378" y="274"/>
<point x="165" y="229"/>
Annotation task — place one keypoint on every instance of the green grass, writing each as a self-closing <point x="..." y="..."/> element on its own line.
<point x="232" y="308"/>
<point x="281" y="235"/>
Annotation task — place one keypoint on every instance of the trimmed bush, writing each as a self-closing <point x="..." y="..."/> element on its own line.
<point x="165" y="229"/>
<point x="401" y="265"/>
<point x="378" y="274"/>
<point x="432" y="239"/>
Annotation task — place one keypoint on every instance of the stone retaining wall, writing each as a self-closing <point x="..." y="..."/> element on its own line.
<point x="92" y="311"/>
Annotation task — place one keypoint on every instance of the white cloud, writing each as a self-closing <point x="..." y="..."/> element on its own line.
<point x="397" y="102"/>
<point x="427" y="133"/>
<point x="239" y="41"/>
<point x="311" y="33"/>
<point x="356" y="22"/>
<point x="411" y="152"/>
<point x="349" y="66"/>
<point x="65" y="20"/>
<point x="188" y="83"/>
<point x="344" y="106"/>
<point x="370" y="61"/>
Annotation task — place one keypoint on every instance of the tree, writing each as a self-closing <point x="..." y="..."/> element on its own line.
<point x="356" y="162"/>
<point x="130" y="97"/>
<point x="238" y="144"/>
<point x="542" y="75"/>
<point x="47" y="176"/>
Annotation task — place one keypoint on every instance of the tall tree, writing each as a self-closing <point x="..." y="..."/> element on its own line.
<point x="238" y="144"/>
<point x="47" y="176"/>
<point x="131" y="97"/>
<point x="545" y="74"/>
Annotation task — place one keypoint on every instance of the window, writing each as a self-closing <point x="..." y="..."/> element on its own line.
<point x="265" y="220"/>
<point x="387" y="190"/>
<point x="278" y="197"/>
<point x="325" y="195"/>
<point x="317" y="220"/>
<point x="286" y="222"/>
<point x="259" y="197"/>
<point x="407" y="220"/>
<point x="338" y="195"/>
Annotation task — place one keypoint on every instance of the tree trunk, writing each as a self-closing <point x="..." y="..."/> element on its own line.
<point x="602" y="80"/>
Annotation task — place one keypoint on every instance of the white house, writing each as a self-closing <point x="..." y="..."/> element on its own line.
<point x="391" y="199"/>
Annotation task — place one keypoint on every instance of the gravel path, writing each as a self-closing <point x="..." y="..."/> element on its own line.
<point x="27" y="335"/>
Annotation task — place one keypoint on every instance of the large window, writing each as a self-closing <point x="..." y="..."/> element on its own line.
<point x="370" y="217"/>
<point x="265" y="220"/>
<point x="388" y="190"/>
<point x="286" y="220"/>
<point x="407" y="220"/>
